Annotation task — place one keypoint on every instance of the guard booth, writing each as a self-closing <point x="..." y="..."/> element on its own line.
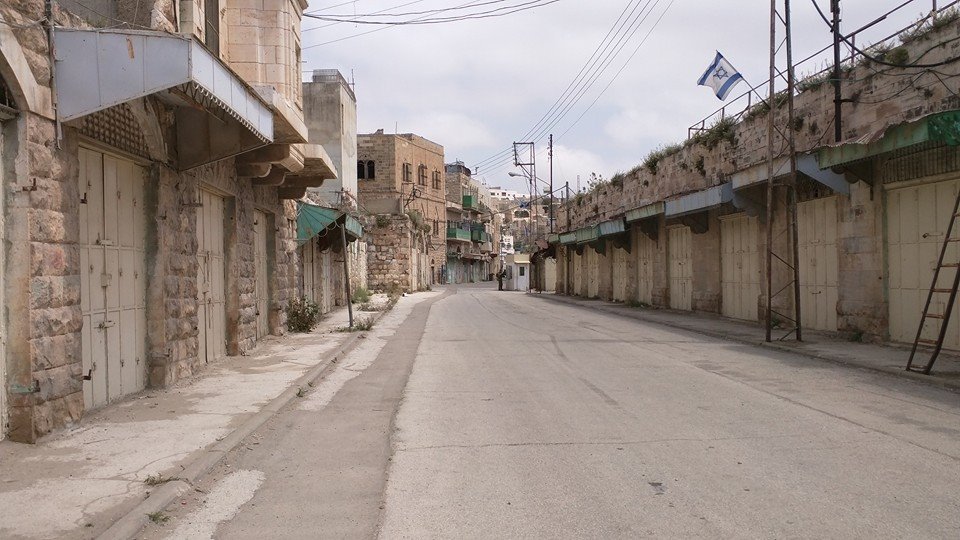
<point x="518" y="272"/>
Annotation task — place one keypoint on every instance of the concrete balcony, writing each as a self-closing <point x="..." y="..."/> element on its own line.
<point x="458" y="235"/>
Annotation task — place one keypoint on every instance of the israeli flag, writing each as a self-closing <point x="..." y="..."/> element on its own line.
<point x="721" y="76"/>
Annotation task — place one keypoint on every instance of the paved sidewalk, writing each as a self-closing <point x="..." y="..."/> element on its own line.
<point x="887" y="358"/>
<point x="77" y="482"/>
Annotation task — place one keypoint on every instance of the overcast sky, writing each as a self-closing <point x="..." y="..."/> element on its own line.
<point x="477" y="86"/>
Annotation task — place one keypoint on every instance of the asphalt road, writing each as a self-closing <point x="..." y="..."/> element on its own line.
<point x="502" y="415"/>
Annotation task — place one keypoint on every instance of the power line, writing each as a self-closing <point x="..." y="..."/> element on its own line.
<point x="497" y="12"/>
<point x="412" y="13"/>
<point x="609" y="50"/>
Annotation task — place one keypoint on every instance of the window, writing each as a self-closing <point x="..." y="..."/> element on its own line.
<point x="436" y="179"/>
<point x="211" y="29"/>
<point x="436" y="227"/>
<point x="361" y="170"/>
<point x="407" y="172"/>
<point x="522" y="268"/>
<point x="422" y="174"/>
<point x="371" y="171"/>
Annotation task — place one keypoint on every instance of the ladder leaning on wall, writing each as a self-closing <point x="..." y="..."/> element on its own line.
<point x="944" y="317"/>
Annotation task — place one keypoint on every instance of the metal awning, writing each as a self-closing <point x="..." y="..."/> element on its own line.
<point x="699" y="201"/>
<point x="568" y="238"/>
<point x="937" y="129"/>
<point x="806" y="165"/>
<point x="553" y="238"/>
<point x="612" y="227"/>
<point x="218" y="114"/>
<point x="587" y="234"/>
<point x="313" y="220"/>
<point x="644" y="212"/>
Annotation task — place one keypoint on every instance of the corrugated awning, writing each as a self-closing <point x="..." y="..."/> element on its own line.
<point x="97" y="69"/>
<point x="933" y="130"/>
<point x="806" y="165"/>
<point x="644" y="212"/>
<point x="612" y="227"/>
<point x="699" y="201"/>
<point x="568" y="238"/>
<point x="587" y="234"/>
<point x="313" y="220"/>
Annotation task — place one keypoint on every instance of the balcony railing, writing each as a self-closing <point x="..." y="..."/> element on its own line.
<point x="458" y="234"/>
<point x="470" y="202"/>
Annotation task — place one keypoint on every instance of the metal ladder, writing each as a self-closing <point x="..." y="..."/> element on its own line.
<point x="952" y="291"/>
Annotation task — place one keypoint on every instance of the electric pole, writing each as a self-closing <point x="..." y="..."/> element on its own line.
<point x="837" y="93"/>
<point x="550" y="155"/>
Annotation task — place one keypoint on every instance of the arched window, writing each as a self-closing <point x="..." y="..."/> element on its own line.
<point x="371" y="170"/>
<point x="361" y="170"/>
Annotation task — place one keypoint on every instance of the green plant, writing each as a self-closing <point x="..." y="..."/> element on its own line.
<point x="383" y="221"/>
<point x="797" y="123"/>
<point x="699" y="166"/>
<point x="416" y="217"/>
<point x="361" y="296"/>
<point x="360" y="324"/>
<point x="721" y="131"/>
<point x="158" y="517"/>
<point x="925" y="27"/>
<point x="898" y="56"/>
<point x="156" y="480"/>
<point x="302" y="315"/>
<point x="653" y="159"/>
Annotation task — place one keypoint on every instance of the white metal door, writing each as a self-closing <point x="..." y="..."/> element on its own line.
<point x="740" y="266"/>
<point x="211" y="276"/>
<point x="113" y="280"/>
<point x="819" y="263"/>
<point x="646" y="263"/>
<point x="261" y="288"/>
<point x="577" y="273"/>
<point x="680" y="267"/>
<point x="3" y="336"/>
<point x="619" y="274"/>
<point x="917" y="219"/>
<point x="593" y="272"/>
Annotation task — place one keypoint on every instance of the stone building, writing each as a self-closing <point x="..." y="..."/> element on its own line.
<point x="470" y="228"/>
<point x="147" y="182"/>
<point x="685" y="229"/>
<point x="400" y="180"/>
<point x="330" y="111"/>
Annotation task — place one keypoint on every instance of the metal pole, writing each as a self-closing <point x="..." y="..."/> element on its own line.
<point x="567" y="249"/>
<point x="837" y="93"/>
<point x="550" y="154"/>
<point x="792" y="190"/>
<point x="770" y="129"/>
<point x="346" y="269"/>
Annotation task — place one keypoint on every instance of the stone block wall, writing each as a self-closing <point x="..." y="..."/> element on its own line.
<point x="395" y="253"/>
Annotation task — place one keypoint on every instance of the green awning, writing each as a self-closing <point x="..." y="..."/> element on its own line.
<point x="313" y="220"/>
<point x="568" y="238"/>
<point x="935" y="129"/>
<point x="612" y="227"/>
<point x="553" y="238"/>
<point x="587" y="234"/>
<point x="644" y="212"/>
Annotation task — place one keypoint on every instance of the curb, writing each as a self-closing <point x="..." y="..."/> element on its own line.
<point x="130" y="524"/>
<point x="902" y="373"/>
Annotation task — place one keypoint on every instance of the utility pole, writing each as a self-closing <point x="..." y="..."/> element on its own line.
<point x="787" y="134"/>
<point x="837" y="93"/>
<point x="568" y="257"/>
<point x="550" y="155"/>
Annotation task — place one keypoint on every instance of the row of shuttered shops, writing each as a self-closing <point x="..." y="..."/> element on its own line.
<point x="871" y="220"/>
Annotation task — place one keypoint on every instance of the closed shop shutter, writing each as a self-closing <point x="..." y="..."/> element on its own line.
<point x="819" y="263"/>
<point x="917" y="219"/>
<point x="646" y="263"/>
<point x="577" y="267"/>
<point x="113" y="280"/>
<point x="593" y="272"/>
<point x="211" y="277"/>
<point x="619" y="274"/>
<point x="680" y="267"/>
<point x="739" y="266"/>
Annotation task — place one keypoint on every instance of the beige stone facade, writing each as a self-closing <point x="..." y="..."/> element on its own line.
<point x="407" y="179"/>
<point x="138" y="317"/>
<point x="472" y="235"/>
<point x="710" y="260"/>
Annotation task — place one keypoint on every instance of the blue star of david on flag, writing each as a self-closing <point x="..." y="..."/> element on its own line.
<point x="721" y="76"/>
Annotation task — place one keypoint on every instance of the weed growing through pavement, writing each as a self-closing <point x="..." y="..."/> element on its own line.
<point x="361" y="324"/>
<point x="158" y="517"/>
<point x="157" y="479"/>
